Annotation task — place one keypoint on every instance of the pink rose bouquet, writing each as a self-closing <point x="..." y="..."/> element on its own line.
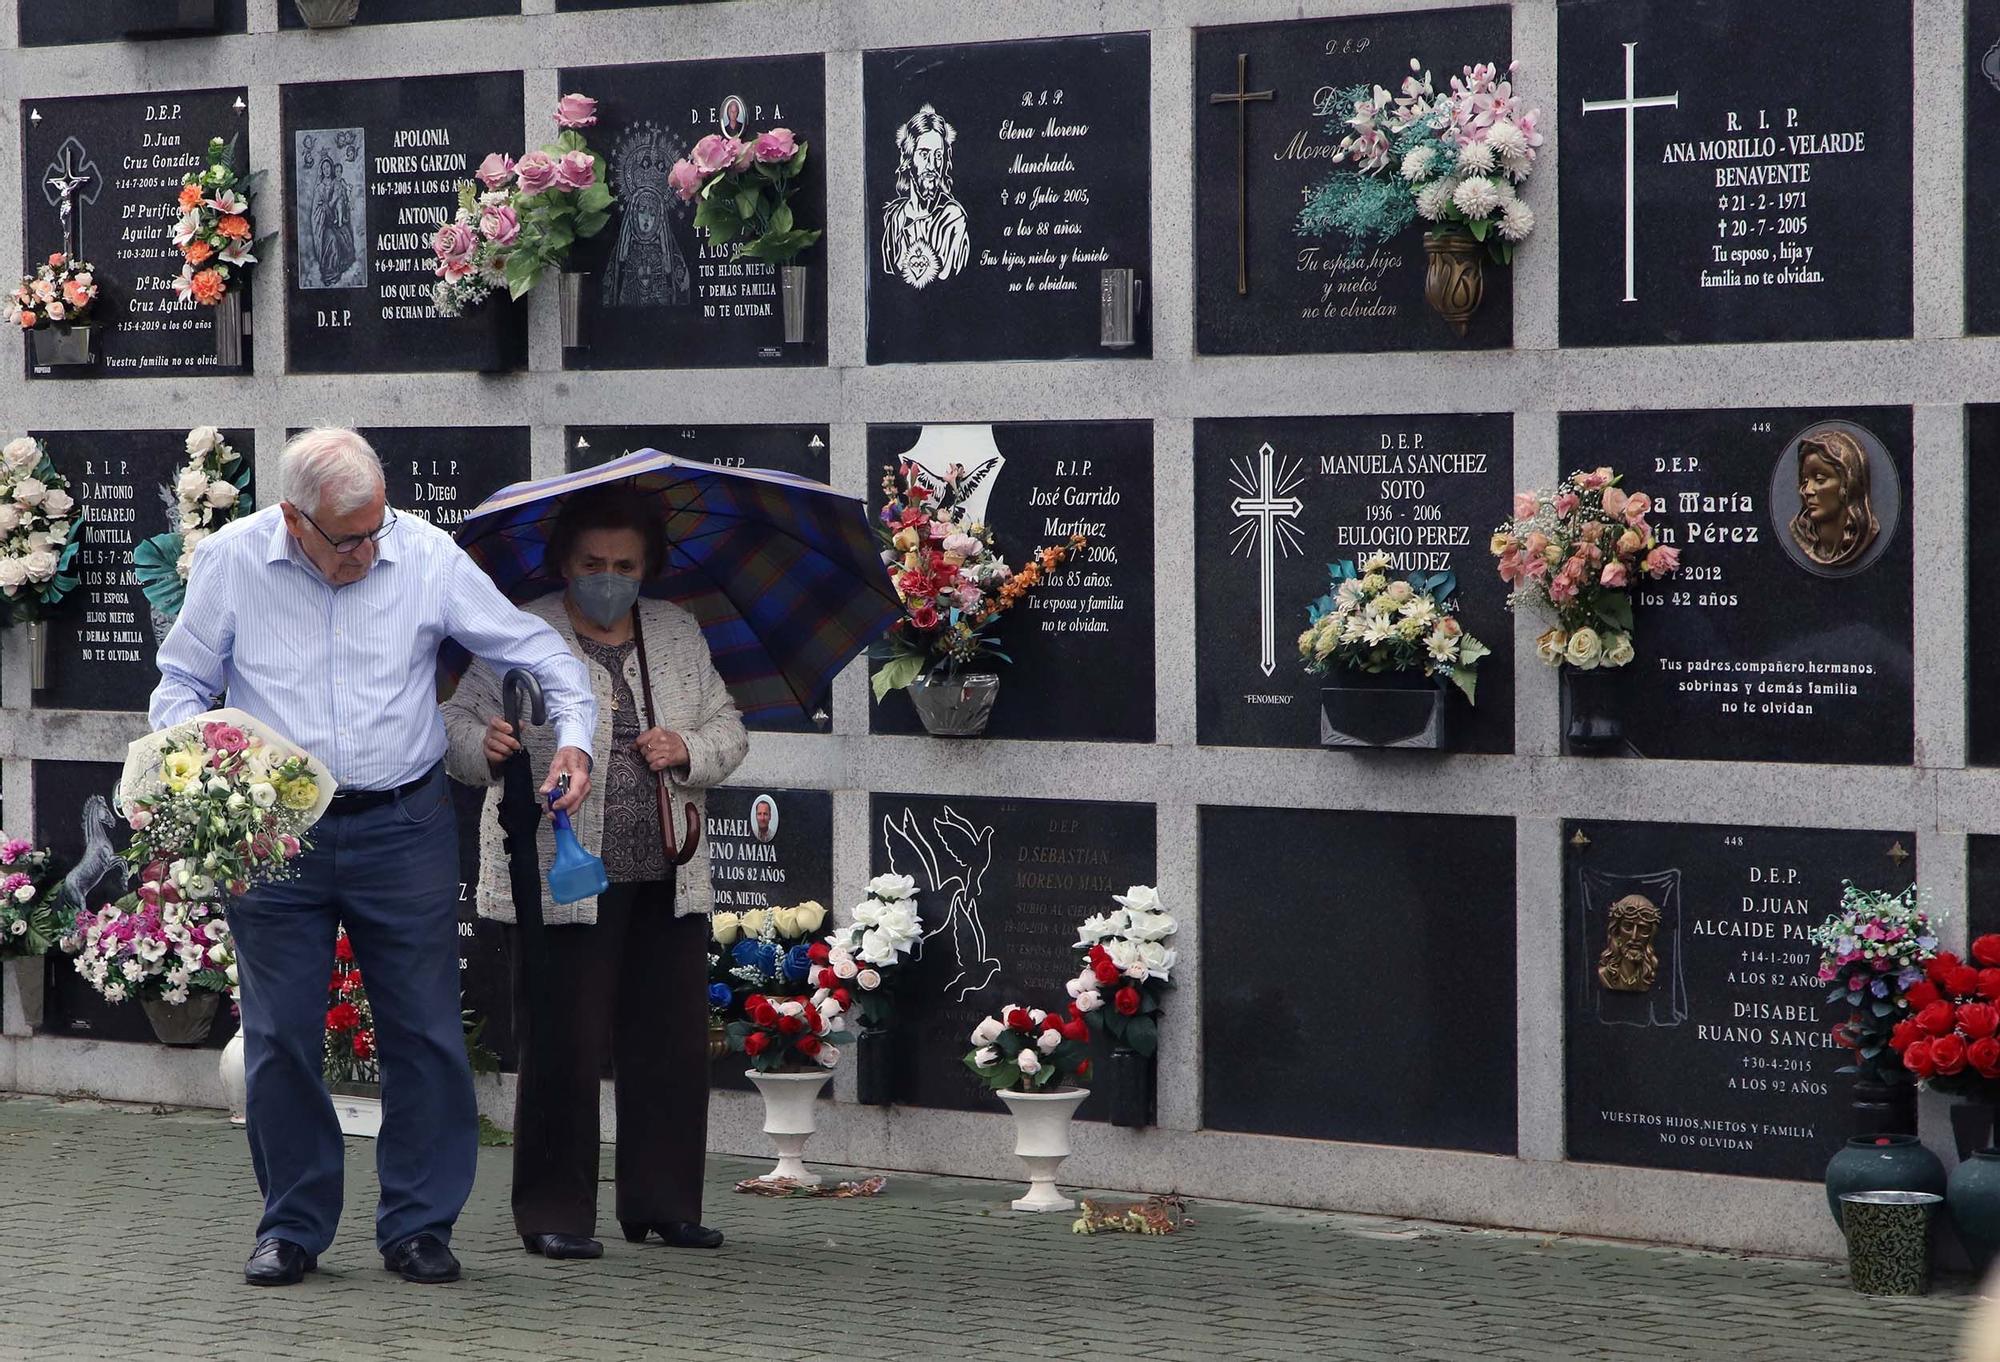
<point x="1576" y="553"/>
<point x="742" y="194"/>
<point x="518" y="218"/>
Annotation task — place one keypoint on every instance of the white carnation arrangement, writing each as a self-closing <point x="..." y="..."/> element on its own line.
<point x="40" y="527"/>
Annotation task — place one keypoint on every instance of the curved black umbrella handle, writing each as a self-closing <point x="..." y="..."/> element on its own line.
<point x="512" y="686"/>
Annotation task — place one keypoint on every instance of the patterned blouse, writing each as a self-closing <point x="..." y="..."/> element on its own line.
<point x="632" y="851"/>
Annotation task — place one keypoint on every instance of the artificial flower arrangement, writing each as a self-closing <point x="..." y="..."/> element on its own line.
<point x="791" y="1033"/>
<point x="213" y="488"/>
<point x="1873" y="952"/>
<point x="61" y="292"/>
<point x="215" y="806"/>
<point x="1373" y="621"/>
<point x="869" y="952"/>
<point x="1947" y="1035"/>
<point x="1126" y="955"/>
<point x="952" y="584"/>
<point x="214" y="233"/>
<point x="1025" y="1049"/>
<point x="40" y="530"/>
<point x="1456" y="159"/>
<point x="1576" y="553"/>
<point x="742" y="193"/>
<point x="532" y="211"/>
<point x="28" y="887"/>
<point x="349" y="1054"/>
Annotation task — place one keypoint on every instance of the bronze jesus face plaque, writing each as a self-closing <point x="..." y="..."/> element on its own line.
<point x="1628" y="963"/>
<point x="1836" y="498"/>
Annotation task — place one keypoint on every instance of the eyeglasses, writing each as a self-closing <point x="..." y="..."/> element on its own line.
<point x="353" y="542"/>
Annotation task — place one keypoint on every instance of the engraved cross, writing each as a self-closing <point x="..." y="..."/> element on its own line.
<point x="1242" y="98"/>
<point x="1264" y="510"/>
<point x="67" y="174"/>
<point x="1631" y="104"/>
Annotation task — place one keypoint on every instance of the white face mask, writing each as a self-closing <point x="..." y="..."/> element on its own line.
<point x="604" y="597"/>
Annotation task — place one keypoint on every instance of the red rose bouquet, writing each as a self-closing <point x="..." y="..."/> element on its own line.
<point x="350" y="1022"/>
<point x="792" y="1034"/>
<point x="1025" y="1049"/>
<point x="1949" y="1039"/>
<point x="1125" y="969"/>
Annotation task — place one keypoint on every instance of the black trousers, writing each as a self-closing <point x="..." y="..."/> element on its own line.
<point x="631" y="990"/>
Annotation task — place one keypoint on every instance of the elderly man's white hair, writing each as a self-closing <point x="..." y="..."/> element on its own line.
<point x="329" y="470"/>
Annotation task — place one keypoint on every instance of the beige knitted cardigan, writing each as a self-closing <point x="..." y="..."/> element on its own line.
<point x="691" y="701"/>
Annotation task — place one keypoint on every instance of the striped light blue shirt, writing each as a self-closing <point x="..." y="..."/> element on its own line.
<point x="350" y="673"/>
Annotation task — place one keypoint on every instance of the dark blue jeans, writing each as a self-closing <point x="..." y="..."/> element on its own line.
<point x="390" y="874"/>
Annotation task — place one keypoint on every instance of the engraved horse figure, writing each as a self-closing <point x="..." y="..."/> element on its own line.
<point x="100" y="860"/>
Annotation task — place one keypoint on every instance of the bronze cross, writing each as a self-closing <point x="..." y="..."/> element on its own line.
<point x="1241" y="98"/>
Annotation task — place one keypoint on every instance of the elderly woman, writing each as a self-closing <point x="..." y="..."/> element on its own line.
<point x="630" y="967"/>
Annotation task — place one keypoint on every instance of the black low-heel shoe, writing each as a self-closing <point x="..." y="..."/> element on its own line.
<point x="674" y="1234"/>
<point x="562" y="1246"/>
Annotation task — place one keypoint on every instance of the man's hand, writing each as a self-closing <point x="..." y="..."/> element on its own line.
<point x="500" y="741"/>
<point x="663" y="750"/>
<point x="572" y="762"/>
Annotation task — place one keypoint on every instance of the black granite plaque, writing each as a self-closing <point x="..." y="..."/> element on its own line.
<point x="1433" y="1049"/>
<point x="1785" y="636"/>
<point x="658" y="295"/>
<point x="1694" y="1036"/>
<point x="768" y="848"/>
<point x="129" y="152"/>
<point x="372" y="168"/>
<point x="1002" y="885"/>
<point x="79" y="833"/>
<point x="1004" y="180"/>
<point x="1982" y="885"/>
<point x="443" y="472"/>
<point x="485" y="978"/>
<point x="1300" y="493"/>
<point x="1300" y="292"/>
<point x="1982" y="177"/>
<point x="409" y="11"/>
<point x="48" y="22"/>
<point x="1982" y="596"/>
<point x="1714" y="164"/>
<point x="1082" y="643"/>
<point x="103" y="641"/>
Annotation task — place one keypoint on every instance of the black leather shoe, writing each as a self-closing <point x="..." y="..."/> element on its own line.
<point x="278" y="1262"/>
<point x="422" y="1258"/>
<point x="562" y="1246"/>
<point x="674" y="1234"/>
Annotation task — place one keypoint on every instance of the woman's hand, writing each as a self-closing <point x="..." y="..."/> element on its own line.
<point x="662" y="750"/>
<point x="500" y="740"/>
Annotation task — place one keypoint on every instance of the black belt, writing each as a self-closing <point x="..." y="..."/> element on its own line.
<point x="355" y="801"/>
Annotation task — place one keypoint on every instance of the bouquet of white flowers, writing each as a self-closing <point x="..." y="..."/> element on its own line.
<point x="1126" y="954"/>
<point x="869" y="951"/>
<point x="40" y="528"/>
<point x="213" y="488"/>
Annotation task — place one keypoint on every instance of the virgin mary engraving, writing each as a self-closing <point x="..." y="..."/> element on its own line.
<point x="646" y="268"/>
<point x="1836" y="522"/>
<point x="331" y="221"/>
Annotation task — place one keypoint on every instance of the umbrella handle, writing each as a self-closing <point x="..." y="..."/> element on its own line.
<point x="517" y="681"/>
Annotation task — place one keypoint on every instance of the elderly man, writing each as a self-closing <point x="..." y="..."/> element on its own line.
<point x="323" y="616"/>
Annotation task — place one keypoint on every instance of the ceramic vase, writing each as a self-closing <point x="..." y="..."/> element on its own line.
<point x="235" y="1085"/>
<point x="789" y="1119"/>
<point x="1972" y="1195"/>
<point x="1882" y="1163"/>
<point x="1041" y="1140"/>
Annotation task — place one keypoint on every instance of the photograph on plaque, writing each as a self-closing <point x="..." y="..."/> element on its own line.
<point x="1982" y="176"/>
<point x="100" y="180"/>
<point x="1434" y="1049"/>
<point x="1982" y="592"/>
<point x="655" y="293"/>
<point x="768" y="848"/>
<point x="104" y="641"/>
<point x="1694" y="1036"/>
<point x="1010" y="189"/>
<point x="1713" y="156"/>
<point x="1002" y="886"/>
<point x="1280" y="499"/>
<point x="1786" y="634"/>
<point x="373" y="167"/>
<point x="74" y="818"/>
<point x="1267" y="132"/>
<point x="1081" y="643"/>
<point x="45" y="23"/>
<point x="407" y="11"/>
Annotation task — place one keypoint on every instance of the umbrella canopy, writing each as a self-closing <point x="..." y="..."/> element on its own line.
<point x="782" y="572"/>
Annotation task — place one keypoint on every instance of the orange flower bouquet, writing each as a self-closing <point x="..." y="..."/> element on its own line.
<point x="214" y="234"/>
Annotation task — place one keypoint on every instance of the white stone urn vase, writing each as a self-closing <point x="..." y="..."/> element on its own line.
<point x="1041" y="1138"/>
<point x="789" y="1119"/>
<point x="234" y="1085"/>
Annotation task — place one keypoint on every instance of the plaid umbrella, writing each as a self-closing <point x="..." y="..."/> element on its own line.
<point x="782" y="572"/>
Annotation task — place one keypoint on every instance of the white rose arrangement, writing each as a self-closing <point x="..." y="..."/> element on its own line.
<point x="40" y="528"/>
<point x="212" y="489"/>
<point x="868" y="953"/>
<point x="1126" y="956"/>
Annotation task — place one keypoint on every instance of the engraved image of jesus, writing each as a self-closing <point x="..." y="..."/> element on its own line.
<point x="924" y="236"/>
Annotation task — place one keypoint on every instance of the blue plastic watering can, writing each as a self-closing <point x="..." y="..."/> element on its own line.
<point x="576" y="874"/>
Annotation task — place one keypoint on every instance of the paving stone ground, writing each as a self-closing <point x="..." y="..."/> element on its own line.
<point x="123" y="1229"/>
